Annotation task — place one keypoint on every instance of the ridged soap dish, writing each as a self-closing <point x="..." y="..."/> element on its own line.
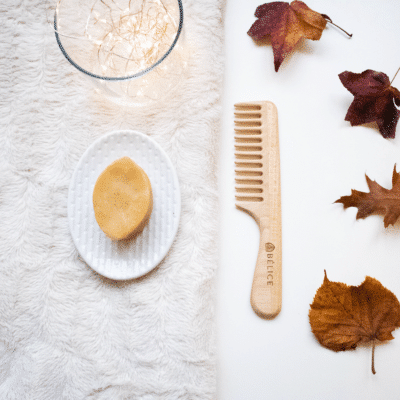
<point x="121" y="260"/>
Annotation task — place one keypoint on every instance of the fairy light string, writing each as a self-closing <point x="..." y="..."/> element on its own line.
<point x="133" y="38"/>
<point x="130" y="38"/>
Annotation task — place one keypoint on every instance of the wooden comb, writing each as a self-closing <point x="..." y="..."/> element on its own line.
<point x="257" y="170"/>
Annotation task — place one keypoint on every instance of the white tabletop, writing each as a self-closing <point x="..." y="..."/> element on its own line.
<point x="322" y="159"/>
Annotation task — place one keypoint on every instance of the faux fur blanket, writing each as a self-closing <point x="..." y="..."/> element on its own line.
<point x="66" y="332"/>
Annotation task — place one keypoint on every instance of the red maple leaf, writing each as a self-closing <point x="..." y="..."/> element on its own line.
<point x="375" y="100"/>
<point x="286" y="24"/>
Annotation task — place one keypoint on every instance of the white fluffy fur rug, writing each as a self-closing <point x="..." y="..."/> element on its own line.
<point x="65" y="332"/>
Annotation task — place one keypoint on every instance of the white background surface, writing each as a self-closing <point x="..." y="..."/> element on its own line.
<point x="322" y="159"/>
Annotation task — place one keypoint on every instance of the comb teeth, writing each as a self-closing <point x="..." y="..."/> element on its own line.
<point x="249" y="160"/>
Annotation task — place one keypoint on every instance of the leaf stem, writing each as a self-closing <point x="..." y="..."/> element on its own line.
<point x="337" y="26"/>
<point x="373" y="357"/>
<point x="395" y="75"/>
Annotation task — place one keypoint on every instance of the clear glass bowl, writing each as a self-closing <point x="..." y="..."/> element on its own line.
<point x="132" y="50"/>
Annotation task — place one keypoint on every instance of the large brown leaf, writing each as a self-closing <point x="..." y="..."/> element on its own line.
<point x="375" y="100"/>
<point x="286" y="24"/>
<point x="378" y="200"/>
<point x="342" y="316"/>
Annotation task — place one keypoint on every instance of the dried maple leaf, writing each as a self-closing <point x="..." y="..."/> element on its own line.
<point x="375" y="100"/>
<point x="286" y="24"/>
<point x="342" y="316"/>
<point x="378" y="200"/>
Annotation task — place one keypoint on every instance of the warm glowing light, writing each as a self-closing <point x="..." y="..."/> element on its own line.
<point x="130" y="40"/>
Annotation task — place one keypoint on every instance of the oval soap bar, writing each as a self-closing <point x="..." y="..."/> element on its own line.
<point x="122" y="199"/>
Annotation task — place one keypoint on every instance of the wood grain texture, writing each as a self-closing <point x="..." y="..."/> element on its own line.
<point x="258" y="192"/>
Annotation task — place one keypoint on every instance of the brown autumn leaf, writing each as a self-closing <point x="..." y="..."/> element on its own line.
<point x="286" y="24"/>
<point x="375" y="100"/>
<point x="378" y="200"/>
<point x="342" y="316"/>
